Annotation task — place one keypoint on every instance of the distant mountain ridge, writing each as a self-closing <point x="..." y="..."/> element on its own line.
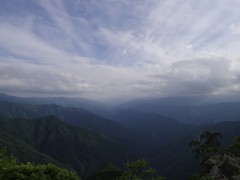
<point x="80" y="117"/>
<point x="93" y="106"/>
<point x="228" y="111"/>
<point x="190" y="111"/>
<point x="164" y="129"/>
<point x="181" y="101"/>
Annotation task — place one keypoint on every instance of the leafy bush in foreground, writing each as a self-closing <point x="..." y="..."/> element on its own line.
<point x="9" y="170"/>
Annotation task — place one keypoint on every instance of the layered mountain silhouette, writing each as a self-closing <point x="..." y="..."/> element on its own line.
<point x="163" y="129"/>
<point x="138" y="142"/>
<point x="93" y="106"/>
<point x="80" y="139"/>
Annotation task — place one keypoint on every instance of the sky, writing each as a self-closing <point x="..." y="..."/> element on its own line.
<point x="119" y="49"/>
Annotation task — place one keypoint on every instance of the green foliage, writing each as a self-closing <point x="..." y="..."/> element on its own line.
<point x="235" y="148"/>
<point x="39" y="172"/>
<point x="206" y="145"/>
<point x="198" y="177"/>
<point x="6" y="161"/>
<point x="216" y="165"/>
<point x="133" y="171"/>
<point x="195" y="177"/>
<point x="106" y="172"/>
<point x="9" y="170"/>
<point x="49" y="140"/>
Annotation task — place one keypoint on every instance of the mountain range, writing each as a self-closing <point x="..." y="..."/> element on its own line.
<point x="83" y="140"/>
<point x="79" y="117"/>
<point x="93" y="106"/>
<point x="189" y="110"/>
<point x="49" y="140"/>
<point x="163" y="129"/>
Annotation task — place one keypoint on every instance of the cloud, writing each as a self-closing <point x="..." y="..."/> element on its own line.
<point x="40" y="81"/>
<point x="123" y="48"/>
<point x="201" y="75"/>
<point x="27" y="46"/>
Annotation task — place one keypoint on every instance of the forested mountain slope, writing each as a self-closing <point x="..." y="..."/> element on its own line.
<point x="138" y="142"/>
<point x="48" y="139"/>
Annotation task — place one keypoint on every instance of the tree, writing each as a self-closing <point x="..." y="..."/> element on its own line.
<point x="234" y="149"/>
<point x="6" y="161"/>
<point x="216" y="165"/>
<point x="206" y="145"/>
<point x="133" y="173"/>
<point x="106" y="172"/>
<point x="9" y="170"/>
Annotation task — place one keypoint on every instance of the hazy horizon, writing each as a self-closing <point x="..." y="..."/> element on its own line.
<point x="119" y="50"/>
<point x="166" y="101"/>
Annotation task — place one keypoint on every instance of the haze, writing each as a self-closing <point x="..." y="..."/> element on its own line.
<point x="115" y="49"/>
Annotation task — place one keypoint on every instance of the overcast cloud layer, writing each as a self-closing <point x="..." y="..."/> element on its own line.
<point x="119" y="48"/>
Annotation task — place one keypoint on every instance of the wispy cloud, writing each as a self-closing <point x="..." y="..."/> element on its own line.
<point x="119" y="48"/>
